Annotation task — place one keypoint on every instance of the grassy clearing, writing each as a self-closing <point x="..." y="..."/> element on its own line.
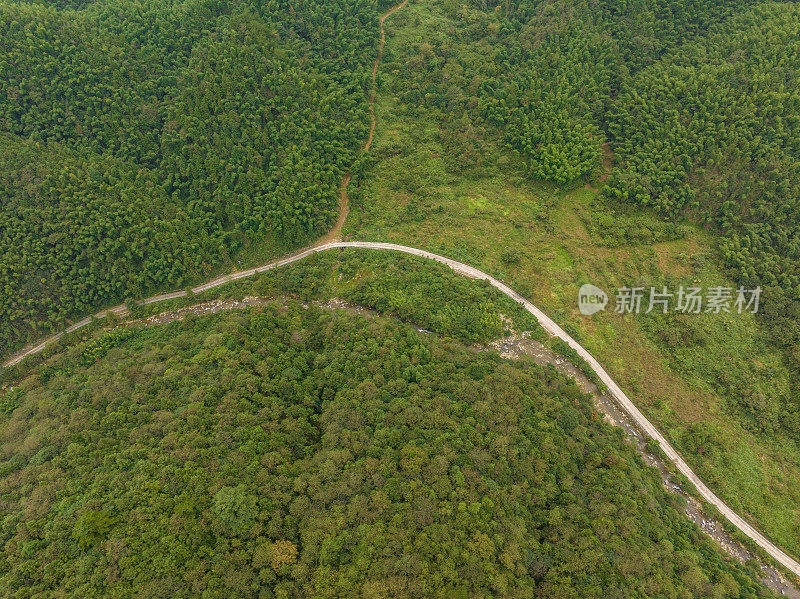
<point x="546" y="242"/>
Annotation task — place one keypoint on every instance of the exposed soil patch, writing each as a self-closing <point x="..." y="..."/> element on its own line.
<point x="201" y="309"/>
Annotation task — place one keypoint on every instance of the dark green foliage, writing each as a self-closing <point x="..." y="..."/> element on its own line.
<point x="95" y="349"/>
<point x="143" y="144"/>
<point x="423" y="294"/>
<point x="712" y="132"/>
<point x="546" y="105"/>
<point x="92" y="527"/>
<point x="235" y="509"/>
<point x="9" y="401"/>
<point x="566" y="63"/>
<point x="300" y="452"/>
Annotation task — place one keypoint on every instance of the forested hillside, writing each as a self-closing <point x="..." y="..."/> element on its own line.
<point x="447" y="177"/>
<point x="144" y="144"/>
<point x="289" y="451"/>
<point x="712" y="131"/>
<point x="566" y="64"/>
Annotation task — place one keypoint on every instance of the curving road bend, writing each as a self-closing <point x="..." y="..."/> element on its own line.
<point x="330" y="241"/>
<point x="545" y="321"/>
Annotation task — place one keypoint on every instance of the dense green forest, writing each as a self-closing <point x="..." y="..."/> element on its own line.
<point x="147" y="144"/>
<point x="144" y="144"/>
<point x="566" y="64"/>
<point x="291" y="451"/>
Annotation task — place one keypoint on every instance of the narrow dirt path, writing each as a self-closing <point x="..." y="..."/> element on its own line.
<point x="608" y="164"/>
<point x="335" y="234"/>
<point x="331" y="241"/>
<point x="374" y="95"/>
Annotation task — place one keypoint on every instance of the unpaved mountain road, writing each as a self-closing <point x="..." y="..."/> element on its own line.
<point x="332" y="241"/>
<point x="545" y="321"/>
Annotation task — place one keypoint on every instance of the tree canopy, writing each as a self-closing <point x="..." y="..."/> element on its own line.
<point x="290" y="451"/>
<point x="143" y="144"/>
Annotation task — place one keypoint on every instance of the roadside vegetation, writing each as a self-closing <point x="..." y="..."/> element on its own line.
<point x="296" y="451"/>
<point x="722" y="387"/>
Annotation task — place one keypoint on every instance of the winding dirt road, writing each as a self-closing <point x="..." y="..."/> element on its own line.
<point x="331" y="241"/>
<point x="335" y="234"/>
